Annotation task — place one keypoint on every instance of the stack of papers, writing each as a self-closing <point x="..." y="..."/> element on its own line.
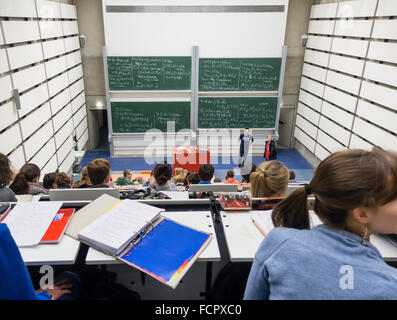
<point x="115" y="229"/>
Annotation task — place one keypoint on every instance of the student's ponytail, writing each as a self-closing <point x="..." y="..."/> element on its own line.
<point x="296" y="202"/>
<point x="20" y="184"/>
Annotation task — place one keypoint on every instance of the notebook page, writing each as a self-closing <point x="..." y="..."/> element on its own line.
<point x="118" y="226"/>
<point x="29" y="221"/>
<point x="264" y="220"/>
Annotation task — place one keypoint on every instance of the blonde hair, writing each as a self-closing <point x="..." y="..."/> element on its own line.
<point x="270" y="179"/>
<point x="180" y="175"/>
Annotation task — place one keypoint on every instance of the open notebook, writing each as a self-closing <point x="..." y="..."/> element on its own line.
<point x="138" y="235"/>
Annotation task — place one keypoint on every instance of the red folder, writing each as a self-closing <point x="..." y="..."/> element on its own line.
<point x="58" y="226"/>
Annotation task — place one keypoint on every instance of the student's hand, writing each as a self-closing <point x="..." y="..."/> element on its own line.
<point x="60" y="289"/>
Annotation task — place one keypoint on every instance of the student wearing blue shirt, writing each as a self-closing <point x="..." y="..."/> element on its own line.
<point x="206" y="173"/>
<point x="355" y="196"/>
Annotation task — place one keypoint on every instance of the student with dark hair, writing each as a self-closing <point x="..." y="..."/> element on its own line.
<point x="191" y="178"/>
<point x="6" y="194"/>
<point x="355" y="195"/>
<point x="217" y="180"/>
<point x="230" y="178"/>
<point x="99" y="173"/>
<point x="161" y="176"/>
<point x="246" y="171"/>
<point x="27" y="181"/>
<point x="63" y="181"/>
<point x="206" y="173"/>
<point x="291" y="176"/>
<point x="49" y="180"/>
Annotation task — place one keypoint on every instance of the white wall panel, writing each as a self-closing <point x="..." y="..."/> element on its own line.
<point x="46" y="152"/>
<point x="308" y="113"/>
<point x="312" y="86"/>
<point x="343" y="82"/>
<point x="334" y="130"/>
<point x="358" y="8"/>
<point x="9" y="139"/>
<point x="5" y="88"/>
<point x="340" y="98"/>
<point x="58" y="84"/>
<point x="83" y="140"/>
<point x="350" y="47"/>
<point x="375" y="135"/>
<point x="353" y="66"/>
<point x="78" y="102"/>
<point x="383" y="51"/>
<point x="321" y="27"/>
<point x="387" y="8"/>
<point x="63" y="133"/>
<point x="329" y="143"/>
<point x="79" y="115"/>
<point x="358" y="143"/>
<point x="65" y="149"/>
<point x="75" y="73"/>
<point x="320" y="43"/>
<point x="21" y="56"/>
<point x="67" y="163"/>
<point x="1" y="38"/>
<point x="385" y="29"/>
<point x="59" y="101"/>
<point x="68" y="11"/>
<point x="381" y="73"/>
<point x="3" y="61"/>
<point x="33" y="98"/>
<point x="338" y="115"/>
<point x="324" y="10"/>
<point x="308" y="142"/>
<point x="50" y="29"/>
<point x="81" y="128"/>
<point x="310" y="100"/>
<point x="70" y="28"/>
<point x="61" y="117"/>
<point x="34" y="120"/>
<point x="353" y="28"/>
<point x="17" y="158"/>
<point x="29" y="77"/>
<point x="306" y="126"/>
<point x="48" y="9"/>
<point x="53" y="48"/>
<point x="55" y="66"/>
<point x="72" y="43"/>
<point x="17" y="8"/>
<point x="36" y="141"/>
<point x="8" y="114"/>
<point x="73" y="58"/>
<point x="51" y="166"/>
<point x="382" y="117"/>
<point x="317" y="57"/>
<point x="314" y="72"/>
<point x="379" y="94"/>
<point x="320" y="152"/>
<point x="76" y="88"/>
<point x="20" y="31"/>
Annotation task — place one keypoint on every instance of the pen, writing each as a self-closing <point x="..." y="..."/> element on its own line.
<point x="258" y="227"/>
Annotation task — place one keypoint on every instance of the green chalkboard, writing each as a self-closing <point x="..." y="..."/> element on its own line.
<point x="149" y="73"/>
<point x="239" y="74"/>
<point x="143" y="116"/>
<point x="255" y="112"/>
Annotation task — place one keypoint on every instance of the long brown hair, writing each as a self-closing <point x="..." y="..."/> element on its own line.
<point x="5" y="171"/>
<point x="269" y="179"/>
<point x="27" y="173"/>
<point x="343" y="181"/>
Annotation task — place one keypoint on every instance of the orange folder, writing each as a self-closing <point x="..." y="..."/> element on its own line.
<point x="58" y="226"/>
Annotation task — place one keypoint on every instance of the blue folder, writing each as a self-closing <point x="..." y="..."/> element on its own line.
<point x="166" y="251"/>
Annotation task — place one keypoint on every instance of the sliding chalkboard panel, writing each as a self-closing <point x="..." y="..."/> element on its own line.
<point x="142" y="116"/>
<point x="255" y="112"/>
<point x="239" y="74"/>
<point x="149" y="73"/>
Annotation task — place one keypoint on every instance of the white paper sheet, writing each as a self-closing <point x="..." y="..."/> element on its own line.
<point x="29" y="221"/>
<point x="177" y="195"/>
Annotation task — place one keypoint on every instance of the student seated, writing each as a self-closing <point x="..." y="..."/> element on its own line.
<point x="99" y="173"/>
<point x="63" y="181"/>
<point x="245" y="173"/>
<point x="27" y="181"/>
<point x="6" y="175"/>
<point x="126" y="179"/>
<point x="206" y="172"/>
<point x="180" y="175"/>
<point x="217" y="180"/>
<point x="230" y="178"/>
<point x="191" y="178"/>
<point x="160" y="180"/>
<point x="291" y="176"/>
<point x="84" y="181"/>
<point x="355" y="196"/>
<point x="49" y="180"/>
<point x="269" y="180"/>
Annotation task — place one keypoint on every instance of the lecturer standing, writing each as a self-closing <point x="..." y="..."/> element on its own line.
<point x="245" y="141"/>
<point x="270" y="149"/>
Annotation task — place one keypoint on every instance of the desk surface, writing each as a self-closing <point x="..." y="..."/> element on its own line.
<point x="200" y="220"/>
<point x="243" y="238"/>
<point x="62" y="253"/>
